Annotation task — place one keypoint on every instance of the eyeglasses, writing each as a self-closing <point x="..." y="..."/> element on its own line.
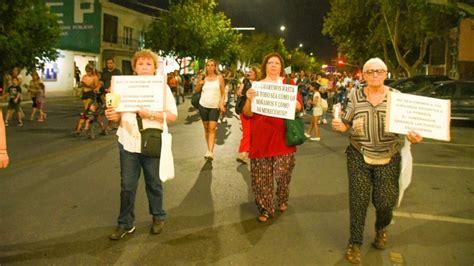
<point x="373" y="71"/>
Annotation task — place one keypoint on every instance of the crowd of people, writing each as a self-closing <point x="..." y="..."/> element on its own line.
<point x="373" y="156"/>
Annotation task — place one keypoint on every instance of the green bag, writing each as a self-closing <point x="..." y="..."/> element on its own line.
<point x="151" y="140"/>
<point x="295" y="131"/>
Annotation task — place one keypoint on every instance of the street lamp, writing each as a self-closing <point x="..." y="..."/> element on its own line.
<point x="301" y="45"/>
<point x="311" y="54"/>
<point x="282" y="28"/>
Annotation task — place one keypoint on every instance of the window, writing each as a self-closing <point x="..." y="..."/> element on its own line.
<point x="110" y="28"/>
<point x="445" y="91"/>
<point x="127" y="35"/>
<point x="467" y="90"/>
<point x="141" y="40"/>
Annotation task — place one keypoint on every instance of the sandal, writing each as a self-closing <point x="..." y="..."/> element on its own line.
<point x="263" y="217"/>
<point x="380" y="240"/>
<point x="353" y="253"/>
<point x="283" y="207"/>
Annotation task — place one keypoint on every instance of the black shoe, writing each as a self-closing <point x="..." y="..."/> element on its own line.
<point x="119" y="233"/>
<point x="157" y="226"/>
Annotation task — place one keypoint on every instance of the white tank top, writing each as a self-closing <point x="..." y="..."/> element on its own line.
<point x="211" y="94"/>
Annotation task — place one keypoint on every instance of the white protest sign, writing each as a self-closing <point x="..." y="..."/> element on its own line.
<point x="273" y="99"/>
<point x="430" y="117"/>
<point x="138" y="92"/>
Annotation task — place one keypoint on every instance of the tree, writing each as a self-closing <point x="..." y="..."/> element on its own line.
<point x="255" y="46"/>
<point x="301" y="61"/>
<point x="29" y="34"/>
<point x="194" y="30"/>
<point x="400" y="31"/>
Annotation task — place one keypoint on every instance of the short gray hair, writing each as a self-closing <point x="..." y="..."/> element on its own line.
<point x="376" y="61"/>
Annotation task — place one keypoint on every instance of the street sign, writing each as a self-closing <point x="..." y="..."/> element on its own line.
<point x="80" y="24"/>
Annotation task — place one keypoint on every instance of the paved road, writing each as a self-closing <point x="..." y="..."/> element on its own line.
<point x="59" y="200"/>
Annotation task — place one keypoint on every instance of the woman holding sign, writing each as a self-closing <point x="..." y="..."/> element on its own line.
<point x="210" y="104"/>
<point x="373" y="157"/>
<point x="270" y="158"/>
<point x="132" y="160"/>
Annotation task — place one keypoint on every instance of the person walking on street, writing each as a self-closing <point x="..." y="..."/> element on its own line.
<point x="33" y="88"/>
<point x="132" y="161"/>
<point x="40" y="100"/>
<point x="373" y="158"/>
<point x="253" y="74"/>
<point x="271" y="159"/>
<point x="316" y="113"/>
<point x="14" y="101"/>
<point x="90" y="85"/>
<point x="108" y="72"/>
<point x="106" y="77"/>
<point x="211" y="103"/>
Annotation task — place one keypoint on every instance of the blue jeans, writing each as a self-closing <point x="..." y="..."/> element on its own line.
<point x="131" y="165"/>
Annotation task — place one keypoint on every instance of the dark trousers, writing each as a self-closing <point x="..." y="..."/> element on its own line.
<point x="364" y="179"/>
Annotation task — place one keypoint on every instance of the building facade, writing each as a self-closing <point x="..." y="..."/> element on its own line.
<point x="93" y="31"/>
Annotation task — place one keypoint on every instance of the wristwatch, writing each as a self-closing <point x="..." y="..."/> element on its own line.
<point x="152" y="115"/>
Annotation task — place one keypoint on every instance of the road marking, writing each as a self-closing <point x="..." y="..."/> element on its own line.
<point x="433" y="217"/>
<point x="449" y="144"/>
<point x="444" y="166"/>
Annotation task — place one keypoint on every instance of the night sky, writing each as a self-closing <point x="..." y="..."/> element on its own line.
<point x="303" y="20"/>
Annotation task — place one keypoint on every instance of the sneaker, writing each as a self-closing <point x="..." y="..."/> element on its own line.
<point x="20" y="124"/>
<point x="353" y="253"/>
<point x="119" y="233"/>
<point x="307" y="135"/>
<point x="157" y="226"/>
<point x="380" y="239"/>
<point x="315" y="139"/>
<point x="209" y="156"/>
<point x="242" y="158"/>
<point x="104" y="132"/>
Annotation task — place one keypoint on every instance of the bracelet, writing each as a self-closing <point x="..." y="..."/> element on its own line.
<point x="152" y="115"/>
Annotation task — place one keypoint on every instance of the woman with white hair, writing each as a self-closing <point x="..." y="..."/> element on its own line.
<point x="373" y="157"/>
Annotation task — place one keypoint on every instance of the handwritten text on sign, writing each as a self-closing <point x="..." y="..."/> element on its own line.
<point x="430" y="117"/>
<point x="138" y="91"/>
<point x="276" y="100"/>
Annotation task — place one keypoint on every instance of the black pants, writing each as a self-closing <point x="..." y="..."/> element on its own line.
<point x="364" y="179"/>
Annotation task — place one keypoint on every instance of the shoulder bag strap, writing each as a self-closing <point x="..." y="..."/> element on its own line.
<point x="165" y="101"/>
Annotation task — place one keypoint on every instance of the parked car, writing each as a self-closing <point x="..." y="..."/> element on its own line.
<point x="461" y="94"/>
<point x="389" y="81"/>
<point x="412" y="84"/>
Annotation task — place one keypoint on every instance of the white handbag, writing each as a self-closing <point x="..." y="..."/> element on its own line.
<point x="406" y="170"/>
<point x="166" y="157"/>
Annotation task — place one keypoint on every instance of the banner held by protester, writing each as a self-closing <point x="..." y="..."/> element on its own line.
<point x="273" y="99"/>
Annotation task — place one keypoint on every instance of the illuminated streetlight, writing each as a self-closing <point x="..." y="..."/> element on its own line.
<point x="311" y="54"/>
<point x="282" y="28"/>
<point x="301" y="45"/>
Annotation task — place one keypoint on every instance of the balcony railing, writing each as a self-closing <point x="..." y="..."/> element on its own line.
<point x="123" y="43"/>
